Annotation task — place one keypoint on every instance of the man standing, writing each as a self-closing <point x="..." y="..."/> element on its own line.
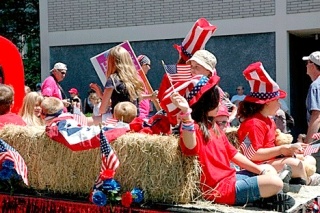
<point x="239" y="97"/>
<point x="51" y="87"/>
<point x="313" y="97"/>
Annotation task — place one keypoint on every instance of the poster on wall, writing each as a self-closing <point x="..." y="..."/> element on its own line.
<point x="100" y="65"/>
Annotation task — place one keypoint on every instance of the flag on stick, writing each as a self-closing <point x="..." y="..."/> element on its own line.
<point x="247" y="148"/>
<point x="9" y="153"/>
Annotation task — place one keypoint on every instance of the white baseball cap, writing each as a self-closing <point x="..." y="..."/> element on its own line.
<point x="313" y="57"/>
<point x="60" y="66"/>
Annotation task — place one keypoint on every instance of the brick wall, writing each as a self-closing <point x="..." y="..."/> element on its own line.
<point x="96" y="14"/>
<point x="302" y="6"/>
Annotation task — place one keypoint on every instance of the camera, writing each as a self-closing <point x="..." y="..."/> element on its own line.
<point x="76" y="100"/>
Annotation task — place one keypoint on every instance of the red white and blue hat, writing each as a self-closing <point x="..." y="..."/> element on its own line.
<point x="196" y="39"/>
<point x="263" y="88"/>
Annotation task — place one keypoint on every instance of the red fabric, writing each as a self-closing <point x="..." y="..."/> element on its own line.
<point x="214" y="157"/>
<point x="11" y="118"/>
<point x="260" y="130"/>
<point x="24" y="204"/>
<point x="157" y="124"/>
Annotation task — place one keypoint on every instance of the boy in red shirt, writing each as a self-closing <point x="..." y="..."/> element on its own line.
<point x="6" y="103"/>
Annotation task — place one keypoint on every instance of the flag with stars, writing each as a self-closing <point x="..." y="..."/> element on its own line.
<point x="9" y="153"/>
<point x="67" y="131"/>
<point x="247" y="148"/>
<point x="109" y="159"/>
<point x="178" y="73"/>
<point x="185" y="89"/>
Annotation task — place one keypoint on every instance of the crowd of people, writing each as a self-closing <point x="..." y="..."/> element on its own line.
<point x="203" y="111"/>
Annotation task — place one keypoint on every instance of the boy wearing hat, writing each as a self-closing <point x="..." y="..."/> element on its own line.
<point x="75" y="101"/>
<point x="257" y="129"/>
<point x="202" y="138"/>
<point x="51" y="87"/>
<point x="203" y="62"/>
<point x="313" y="101"/>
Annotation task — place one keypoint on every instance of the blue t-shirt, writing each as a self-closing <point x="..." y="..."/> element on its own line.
<point x="313" y="98"/>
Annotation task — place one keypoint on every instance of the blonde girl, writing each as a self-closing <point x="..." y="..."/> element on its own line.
<point x="31" y="110"/>
<point x="122" y="84"/>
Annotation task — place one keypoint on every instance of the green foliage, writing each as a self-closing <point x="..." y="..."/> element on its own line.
<point x="19" y="23"/>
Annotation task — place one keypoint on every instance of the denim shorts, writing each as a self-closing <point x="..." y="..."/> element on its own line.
<point x="247" y="188"/>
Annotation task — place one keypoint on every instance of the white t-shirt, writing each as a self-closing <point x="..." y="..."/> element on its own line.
<point x="237" y="98"/>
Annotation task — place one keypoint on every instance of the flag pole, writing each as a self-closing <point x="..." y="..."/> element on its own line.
<point x="165" y="69"/>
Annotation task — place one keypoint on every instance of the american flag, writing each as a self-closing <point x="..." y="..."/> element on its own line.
<point x="316" y="136"/>
<point x="311" y="148"/>
<point x="183" y="88"/>
<point x="178" y="73"/>
<point x="247" y="148"/>
<point x="9" y="153"/>
<point x="108" y="157"/>
<point x="111" y="121"/>
<point x="81" y="119"/>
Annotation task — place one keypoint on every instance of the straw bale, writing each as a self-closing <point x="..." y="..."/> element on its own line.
<point x="52" y="165"/>
<point x="155" y="164"/>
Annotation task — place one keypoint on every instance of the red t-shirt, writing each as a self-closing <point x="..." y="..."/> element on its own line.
<point x="260" y="130"/>
<point x="214" y="157"/>
<point x="11" y="118"/>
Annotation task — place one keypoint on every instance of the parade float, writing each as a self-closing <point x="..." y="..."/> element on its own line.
<point x="151" y="174"/>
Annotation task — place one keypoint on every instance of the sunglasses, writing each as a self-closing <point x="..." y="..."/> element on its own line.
<point x="221" y="123"/>
<point x="308" y="62"/>
<point x="62" y="72"/>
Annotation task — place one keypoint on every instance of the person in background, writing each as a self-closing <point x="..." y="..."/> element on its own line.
<point x="312" y="100"/>
<point x="96" y="102"/>
<point x="27" y="89"/>
<point x="219" y="182"/>
<point x="6" y="103"/>
<point x="75" y="101"/>
<point x="239" y="96"/>
<point x="87" y="105"/>
<point x="51" y="87"/>
<point x="144" y="104"/>
<point x="38" y="88"/>
<point x="222" y="118"/>
<point x="31" y="109"/>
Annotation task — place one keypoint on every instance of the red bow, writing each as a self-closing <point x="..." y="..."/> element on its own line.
<point x="157" y="124"/>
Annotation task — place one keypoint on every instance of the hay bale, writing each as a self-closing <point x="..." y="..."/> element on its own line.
<point x="52" y="165"/>
<point x="155" y="164"/>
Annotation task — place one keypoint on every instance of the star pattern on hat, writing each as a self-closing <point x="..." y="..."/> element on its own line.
<point x="264" y="96"/>
<point x="186" y="52"/>
<point x="203" y="81"/>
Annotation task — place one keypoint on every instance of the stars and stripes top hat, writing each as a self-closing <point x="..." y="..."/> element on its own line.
<point x="200" y="88"/>
<point x="196" y="39"/>
<point x="263" y="88"/>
